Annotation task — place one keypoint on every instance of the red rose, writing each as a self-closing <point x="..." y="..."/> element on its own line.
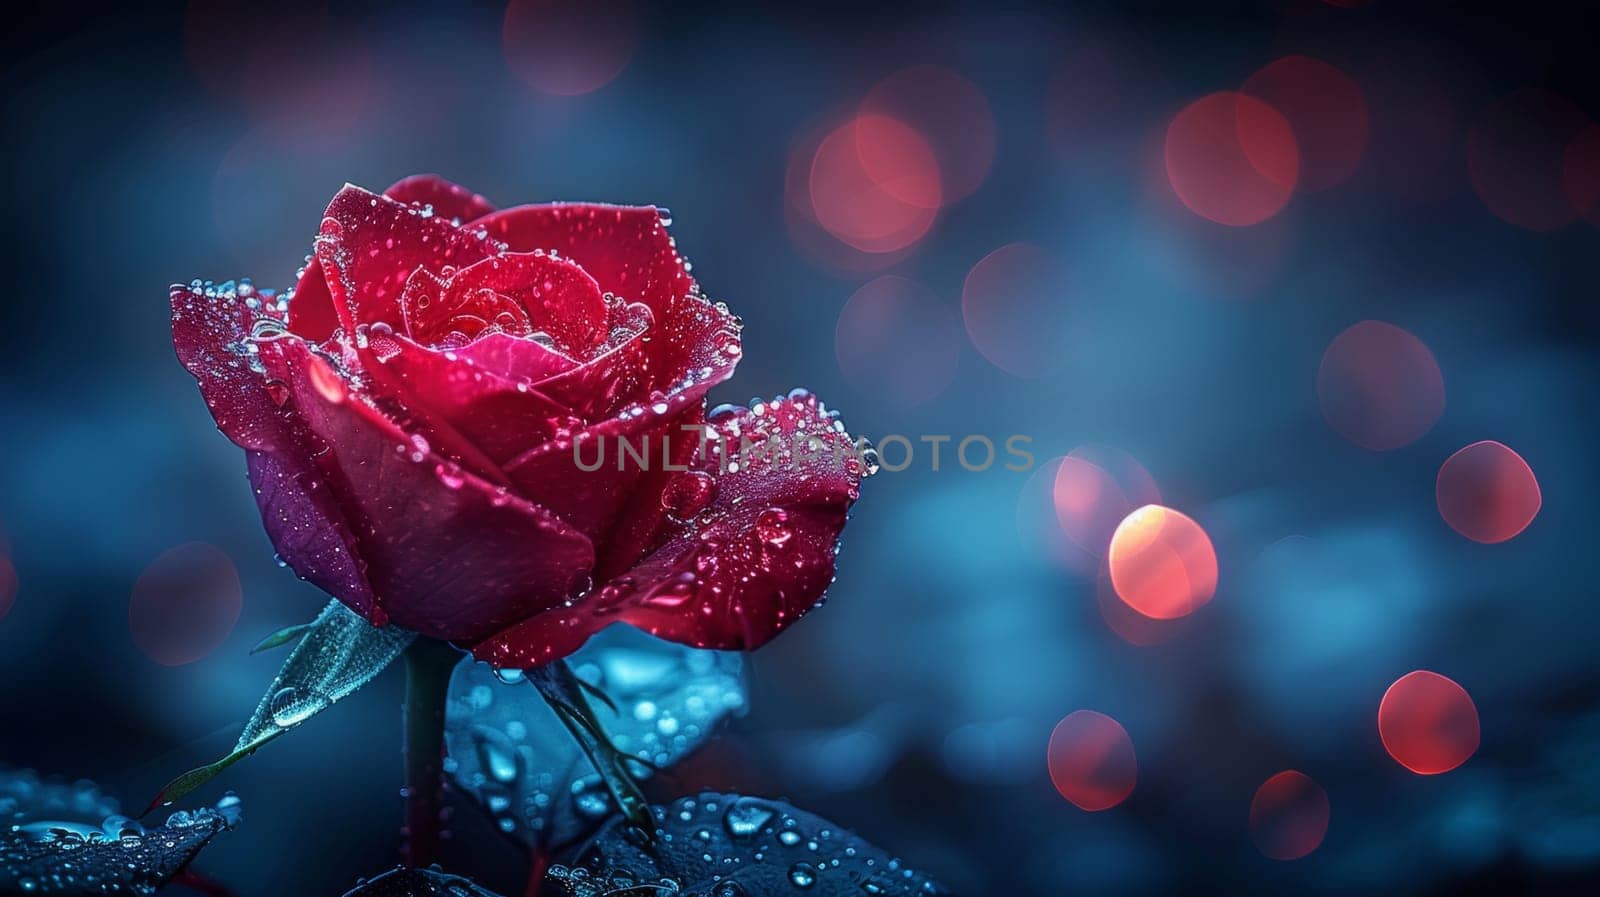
<point x="409" y="415"/>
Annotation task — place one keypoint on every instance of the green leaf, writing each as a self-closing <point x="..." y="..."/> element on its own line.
<point x="282" y="637"/>
<point x="338" y="654"/>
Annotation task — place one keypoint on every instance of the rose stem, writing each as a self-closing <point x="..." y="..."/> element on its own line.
<point x="566" y="696"/>
<point x="538" y="864"/>
<point x="428" y="666"/>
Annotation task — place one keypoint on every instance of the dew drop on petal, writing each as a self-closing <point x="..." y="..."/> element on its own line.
<point x="1379" y="386"/>
<point x="1487" y="493"/>
<point x="185" y="604"/>
<point x="1428" y="723"/>
<point x="1091" y="760"/>
<point x="1232" y="158"/>
<point x="1289" y="815"/>
<point x="688" y="493"/>
<point x="1162" y="563"/>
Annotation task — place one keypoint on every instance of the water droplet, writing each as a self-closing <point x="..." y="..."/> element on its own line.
<point x="802" y="875"/>
<point x="292" y="706"/>
<point x="745" y="817"/>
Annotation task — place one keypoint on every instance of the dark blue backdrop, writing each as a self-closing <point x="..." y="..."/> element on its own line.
<point x="915" y="707"/>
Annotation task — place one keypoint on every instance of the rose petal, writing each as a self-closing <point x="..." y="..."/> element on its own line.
<point x="549" y="473"/>
<point x="448" y="199"/>
<point x="753" y="561"/>
<point x="211" y="330"/>
<point x="449" y="554"/>
<point x="309" y="531"/>
<point x="312" y="314"/>
<point x="500" y="416"/>
<point x="532" y="291"/>
<point x="625" y="248"/>
<point x="369" y="245"/>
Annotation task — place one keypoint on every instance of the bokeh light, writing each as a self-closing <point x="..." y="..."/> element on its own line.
<point x="1096" y="488"/>
<point x="569" y="48"/>
<point x="1428" y="723"/>
<point x="1516" y="156"/>
<point x="1015" y="307"/>
<point x="1289" y="815"/>
<point x="1128" y="624"/>
<point x="1232" y="158"/>
<point x="305" y="71"/>
<point x="950" y="113"/>
<point x="1380" y="386"/>
<point x="807" y="233"/>
<point x="185" y="604"/>
<point x="8" y="585"/>
<point x="1326" y="111"/>
<point x="1487" y="493"/>
<point x="875" y="184"/>
<point x="1091" y="761"/>
<point x="1162" y="563"/>
<point x="1196" y="255"/>
<point x="1580" y="173"/>
<point x="1038" y="526"/>
<point x="896" y="338"/>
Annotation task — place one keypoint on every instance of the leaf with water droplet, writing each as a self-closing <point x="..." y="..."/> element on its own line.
<point x="431" y="882"/>
<point x="515" y="758"/>
<point x="60" y="838"/>
<point x="730" y="845"/>
<point x="338" y="653"/>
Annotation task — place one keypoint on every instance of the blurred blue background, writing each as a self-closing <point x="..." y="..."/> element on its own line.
<point x="150" y="146"/>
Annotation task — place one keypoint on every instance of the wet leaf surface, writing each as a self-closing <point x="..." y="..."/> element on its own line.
<point x="61" y="838"/>
<point x="338" y="653"/>
<point x="728" y="845"/>
<point x="430" y="882"/>
<point x="514" y="757"/>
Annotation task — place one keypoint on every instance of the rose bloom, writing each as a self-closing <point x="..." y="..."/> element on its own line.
<point x="410" y="414"/>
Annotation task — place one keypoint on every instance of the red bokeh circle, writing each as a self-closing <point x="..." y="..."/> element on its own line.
<point x="1428" y="723"/>
<point x="1232" y="158"/>
<point x="1289" y="815"/>
<point x="875" y="184"/>
<point x="1162" y="563"/>
<point x="1327" y="111"/>
<point x="950" y="113"/>
<point x="568" y="48"/>
<point x="1379" y="386"/>
<point x="185" y="604"/>
<point x="1091" y="761"/>
<point x="1096" y="488"/>
<point x="1516" y="157"/>
<point x="1580" y="173"/>
<point x="1487" y="493"/>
